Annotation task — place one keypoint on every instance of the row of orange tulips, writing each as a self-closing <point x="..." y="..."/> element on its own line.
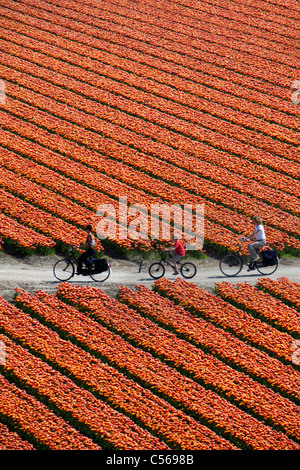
<point x="79" y="63"/>
<point x="219" y="312"/>
<point x="75" y="362"/>
<point x="228" y="16"/>
<point x="290" y="202"/>
<point x="267" y="102"/>
<point x="54" y="202"/>
<point x="271" y="240"/>
<point x="181" y="13"/>
<point x="22" y="237"/>
<point x="38" y="423"/>
<point x="188" y="17"/>
<point x="234" y="104"/>
<point x="283" y="288"/>
<point x="165" y="421"/>
<point x="144" y="52"/>
<point x="116" y="187"/>
<point x="263" y="305"/>
<point x="41" y="221"/>
<point x="102" y="380"/>
<point x="213" y="232"/>
<point x="188" y="121"/>
<point x="203" y="334"/>
<point x="206" y="167"/>
<point x="286" y="150"/>
<point x="236" y="386"/>
<point x="90" y="78"/>
<point x="10" y="440"/>
<point x="90" y="415"/>
<point x="205" y="404"/>
<point x="42" y="197"/>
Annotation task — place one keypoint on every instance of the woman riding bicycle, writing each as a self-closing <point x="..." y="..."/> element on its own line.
<point x="89" y="246"/>
<point x="177" y="251"/>
<point x="259" y="235"/>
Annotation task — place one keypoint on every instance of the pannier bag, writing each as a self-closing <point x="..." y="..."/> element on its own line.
<point x="100" y="265"/>
<point x="269" y="257"/>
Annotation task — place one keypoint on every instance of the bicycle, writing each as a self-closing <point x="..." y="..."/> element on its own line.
<point x="97" y="268"/>
<point x="157" y="269"/>
<point x="232" y="264"/>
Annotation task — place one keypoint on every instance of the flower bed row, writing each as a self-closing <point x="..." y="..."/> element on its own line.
<point x="23" y="238"/>
<point x="213" y="232"/>
<point x="186" y="16"/>
<point x="186" y="394"/>
<point x="282" y="184"/>
<point x="218" y="342"/>
<point x="10" y="440"/>
<point x="182" y="16"/>
<point x="106" y="426"/>
<point x="33" y="420"/>
<point x="263" y="305"/>
<point x="235" y="104"/>
<point x="52" y="201"/>
<point x="208" y="189"/>
<point x="19" y="189"/>
<point x="88" y="197"/>
<point x="234" y="132"/>
<point x="144" y="52"/>
<point x="229" y="16"/>
<point x="236" y="386"/>
<point x="171" y="180"/>
<point x="172" y="425"/>
<point x="219" y="312"/>
<point x="184" y="122"/>
<point x="203" y="187"/>
<point x="283" y="288"/>
<point x="230" y="82"/>
<point x="41" y="221"/>
<point x="89" y="79"/>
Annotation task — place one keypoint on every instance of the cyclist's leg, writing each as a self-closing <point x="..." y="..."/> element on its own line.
<point x="170" y="260"/>
<point x="253" y="252"/>
<point x="82" y="259"/>
<point x="80" y="263"/>
<point x="176" y="258"/>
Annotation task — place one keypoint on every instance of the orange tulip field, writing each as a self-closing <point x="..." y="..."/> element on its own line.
<point x="158" y="102"/>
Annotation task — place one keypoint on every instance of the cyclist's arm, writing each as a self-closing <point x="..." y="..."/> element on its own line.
<point x="250" y="237"/>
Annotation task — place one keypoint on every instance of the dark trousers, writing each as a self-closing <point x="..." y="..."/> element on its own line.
<point x="83" y="258"/>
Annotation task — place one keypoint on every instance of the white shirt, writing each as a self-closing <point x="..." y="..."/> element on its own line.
<point x="261" y="235"/>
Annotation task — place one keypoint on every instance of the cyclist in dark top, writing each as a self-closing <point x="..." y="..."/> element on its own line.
<point x="89" y="246"/>
<point x="177" y="251"/>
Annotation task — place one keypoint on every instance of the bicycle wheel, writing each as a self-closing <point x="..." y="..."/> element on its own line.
<point x="96" y="276"/>
<point x="156" y="270"/>
<point x="266" y="270"/>
<point x="63" y="270"/>
<point x="188" y="270"/>
<point x="231" y="265"/>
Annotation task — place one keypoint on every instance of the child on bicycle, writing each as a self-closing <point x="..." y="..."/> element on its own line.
<point x="177" y="252"/>
<point x="89" y="246"/>
<point x="259" y="235"/>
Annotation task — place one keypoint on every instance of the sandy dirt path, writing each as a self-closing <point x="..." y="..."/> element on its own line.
<point x="36" y="273"/>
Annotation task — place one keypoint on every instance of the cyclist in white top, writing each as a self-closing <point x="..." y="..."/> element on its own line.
<point x="259" y="235"/>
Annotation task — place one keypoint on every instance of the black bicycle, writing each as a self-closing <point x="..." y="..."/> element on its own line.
<point x="97" y="268"/>
<point x="157" y="269"/>
<point x="232" y="263"/>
